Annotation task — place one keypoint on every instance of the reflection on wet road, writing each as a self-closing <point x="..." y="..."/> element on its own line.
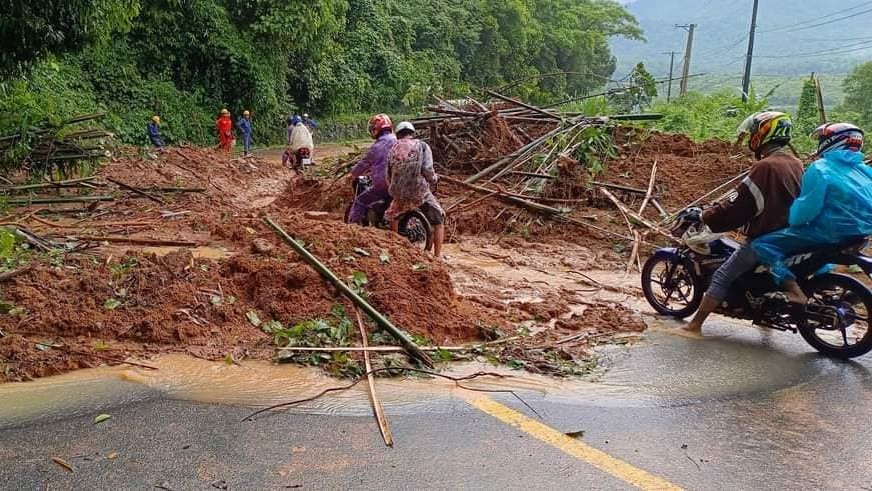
<point x="741" y="408"/>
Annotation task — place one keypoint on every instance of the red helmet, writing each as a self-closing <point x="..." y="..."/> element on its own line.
<point x="379" y="123"/>
<point x="838" y="136"/>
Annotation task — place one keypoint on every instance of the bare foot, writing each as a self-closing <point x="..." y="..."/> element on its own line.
<point x="693" y="327"/>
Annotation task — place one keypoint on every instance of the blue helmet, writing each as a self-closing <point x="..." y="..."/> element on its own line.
<point x="296" y="120"/>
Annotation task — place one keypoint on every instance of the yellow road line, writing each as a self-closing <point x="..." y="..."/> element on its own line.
<point x="602" y="461"/>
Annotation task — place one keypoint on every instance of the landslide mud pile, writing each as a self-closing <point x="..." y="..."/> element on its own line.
<point x="113" y="299"/>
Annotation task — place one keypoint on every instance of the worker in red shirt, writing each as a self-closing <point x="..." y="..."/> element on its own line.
<point x="224" y="125"/>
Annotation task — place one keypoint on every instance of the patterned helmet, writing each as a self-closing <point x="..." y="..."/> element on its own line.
<point x="379" y="123"/>
<point x="838" y="136"/>
<point x="765" y="128"/>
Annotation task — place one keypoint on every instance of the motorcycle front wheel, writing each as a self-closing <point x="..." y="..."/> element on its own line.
<point x="837" y="324"/>
<point x="670" y="288"/>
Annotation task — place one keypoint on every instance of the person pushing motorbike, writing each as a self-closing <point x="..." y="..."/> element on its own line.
<point x="374" y="163"/>
<point x="759" y="205"/>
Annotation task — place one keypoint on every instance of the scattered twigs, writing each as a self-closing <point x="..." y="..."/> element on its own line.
<point x="523" y="104"/>
<point x="383" y="425"/>
<point x="135" y="190"/>
<point x="458" y="381"/>
<point x="407" y="343"/>
<point x="52" y="184"/>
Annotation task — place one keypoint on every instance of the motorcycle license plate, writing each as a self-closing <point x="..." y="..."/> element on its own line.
<point x="307" y="161"/>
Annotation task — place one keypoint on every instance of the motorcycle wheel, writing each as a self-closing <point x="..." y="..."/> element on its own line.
<point x="850" y="301"/>
<point x="669" y="287"/>
<point x="415" y="227"/>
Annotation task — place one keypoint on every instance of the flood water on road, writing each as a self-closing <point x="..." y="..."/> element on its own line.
<point x="662" y="370"/>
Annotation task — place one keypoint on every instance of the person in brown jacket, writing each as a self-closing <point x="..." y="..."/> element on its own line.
<point x="759" y="205"/>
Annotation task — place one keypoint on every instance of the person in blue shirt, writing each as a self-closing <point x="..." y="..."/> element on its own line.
<point x="309" y="122"/>
<point x="153" y="129"/>
<point x="244" y="125"/>
<point x="834" y="205"/>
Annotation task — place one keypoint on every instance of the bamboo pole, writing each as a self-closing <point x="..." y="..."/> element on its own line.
<point x="650" y="188"/>
<point x="374" y="314"/>
<point x="72" y="199"/>
<point x="135" y="190"/>
<point x="383" y="425"/>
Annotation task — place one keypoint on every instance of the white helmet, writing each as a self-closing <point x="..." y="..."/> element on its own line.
<point x="405" y="126"/>
<point x="698" y="237"/>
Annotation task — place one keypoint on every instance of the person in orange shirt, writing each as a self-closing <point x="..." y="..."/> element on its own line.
<point x="224" y="125"/>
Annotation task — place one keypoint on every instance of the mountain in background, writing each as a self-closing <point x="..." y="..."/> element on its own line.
<point x="788" y="40"/>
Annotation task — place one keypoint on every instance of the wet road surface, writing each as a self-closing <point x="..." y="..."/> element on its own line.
<point x="741" y="409"/>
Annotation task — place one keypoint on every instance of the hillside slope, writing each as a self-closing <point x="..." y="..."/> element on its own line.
<point x="789" y="41"/>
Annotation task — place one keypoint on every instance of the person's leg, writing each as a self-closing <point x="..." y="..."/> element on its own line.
<point x="246" y="142"/>
<point x="742" y="261"/>
<point x="436" y="216"/>
<point x="363" y="203"/>
<point x="772" y="249"/>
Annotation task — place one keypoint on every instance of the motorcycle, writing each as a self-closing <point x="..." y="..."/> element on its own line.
<point x="835" y="321"/>
<point x="302" y="158"/>
<point x="413" y="224"/>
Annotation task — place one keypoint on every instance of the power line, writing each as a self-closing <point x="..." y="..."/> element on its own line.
<point x="862" y="46"/>
<point x="831" y="21"/>
<point x="789" y="26"/>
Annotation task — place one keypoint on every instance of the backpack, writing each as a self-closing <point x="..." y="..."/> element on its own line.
<point x="405" y="159"/>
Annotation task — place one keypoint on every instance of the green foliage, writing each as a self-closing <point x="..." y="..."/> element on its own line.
<point x="596" y="147"/>
<point x="31" y="29"/>
<point x="185" y="60"/>
<point x="641" y="92"/>
<point x="807" y="114"/>
<point x="707" y="116"/>
<point x="333" y="331"/>
<point x="858" y="94"/>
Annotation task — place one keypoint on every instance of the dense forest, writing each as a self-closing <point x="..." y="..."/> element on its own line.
<point x="186" y="59"/>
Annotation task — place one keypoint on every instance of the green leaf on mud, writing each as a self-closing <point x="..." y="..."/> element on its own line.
<point x="111" y="304"/>
<point x="575" y="434"/>
<point x="102" y="417"/>
<point x="6" y="307"/>
<point x="384" y="257"/>
<point x="253" y="318"/>
<point x="228" y="359"/>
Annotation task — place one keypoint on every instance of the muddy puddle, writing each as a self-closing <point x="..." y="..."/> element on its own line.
<point x="664" y="369"/>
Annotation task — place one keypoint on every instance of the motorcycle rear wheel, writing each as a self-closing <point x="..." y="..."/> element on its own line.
<point x="665" y="280"/>
<point x="852" y="301"/>
<point x="415" y="227"/>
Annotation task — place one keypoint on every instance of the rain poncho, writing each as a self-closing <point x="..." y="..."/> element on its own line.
<point x="300" y="138"/>
<point x="834" y="206"/>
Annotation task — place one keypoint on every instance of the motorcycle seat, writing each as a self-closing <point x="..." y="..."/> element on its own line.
<point x="850" y="244"/>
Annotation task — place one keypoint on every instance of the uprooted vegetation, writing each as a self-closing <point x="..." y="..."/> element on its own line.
<point x="169" y="253"/>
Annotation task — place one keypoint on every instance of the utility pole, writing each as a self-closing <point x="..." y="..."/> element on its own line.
<point x="687" y="52"/>
<point x="746" y="80"/>
<point x="671" y="65"/>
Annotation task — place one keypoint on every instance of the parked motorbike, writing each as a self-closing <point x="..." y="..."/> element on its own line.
<point x="835" y="322"/>
<point x="413" y="224"/>
<point x="302" y="158"/>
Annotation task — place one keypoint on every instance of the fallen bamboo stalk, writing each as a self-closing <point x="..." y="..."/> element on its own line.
<point x="372" y="349"/>
<point x="660" y="210"/>
<point x="635" y="216"/>
<point x="707" y="195"/>
<point x="374" y="314"/>
<point x="619" y="187"/>
<point x="175" y="190"/>
<point x="70" y="199"/>
<point x="523" y="104"/>
<point x="383" y="425"/>
<point x="650" y="191"/>
<point x="8" y="275"/>
<point x="131" y="240"/>
<point x="135" y="190"/>
<point x="49" y="184"/>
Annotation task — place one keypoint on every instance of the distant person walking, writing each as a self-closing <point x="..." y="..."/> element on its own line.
<point x="244" y="125"/>
<point x="224" y="126"/>
<point x="154" y="133"/>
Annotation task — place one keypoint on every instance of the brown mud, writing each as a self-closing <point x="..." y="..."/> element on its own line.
<point x="509" y="271"/>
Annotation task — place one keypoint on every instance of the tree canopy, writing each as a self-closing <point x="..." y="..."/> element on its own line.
<point x="276" y="56"/>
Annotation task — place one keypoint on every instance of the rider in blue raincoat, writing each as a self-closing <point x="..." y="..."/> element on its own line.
<point x="834" y="205"/>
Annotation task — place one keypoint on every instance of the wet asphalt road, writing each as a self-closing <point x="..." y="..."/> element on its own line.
<point x="742" y="409"/>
